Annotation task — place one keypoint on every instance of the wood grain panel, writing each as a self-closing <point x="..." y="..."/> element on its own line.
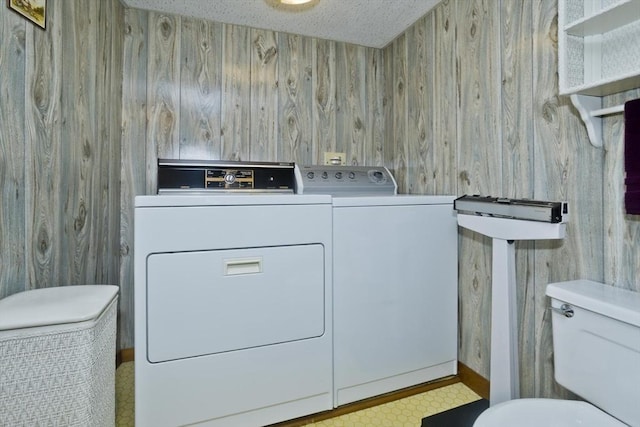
<point x="80" y="153"/>
<point x="389" y="106"/>
<point x="479" y="165"/>
<point x="133" y="158"/>
<point x="561" y="154"/>
<point x="351" y="107"/>
<point x="474" y="304"/>
<point x="517" y="130"/>
<point x="443" y="85"/>
<point x="200" y="78"/>
<point x="12" y="155"/>
<point x="614" y="219"/>
<point x="376" y="108"/>
<point x="264" y="95"/>
<point x="420" y="153"/>
<point x="295" y="84"/>
<point x="163" y="92"/>
<point x="479" y="120"/>
<point x="236" y="93"/>
<point x="108" y="115"/>
<point x="517" y="162"/>
<point x="549" y="179"/>
<point x="115" y="135"/>
<point x="399" y="113"/>
<point x="324" y="99"/>
<point x="43" y="145"/>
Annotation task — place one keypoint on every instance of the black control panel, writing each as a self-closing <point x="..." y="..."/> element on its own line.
<point x="225" y="176"/>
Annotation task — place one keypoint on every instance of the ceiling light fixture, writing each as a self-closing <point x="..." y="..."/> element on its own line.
<point x="292" y="5"/>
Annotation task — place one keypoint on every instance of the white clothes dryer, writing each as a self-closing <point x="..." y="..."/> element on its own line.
<point x="233" y="296"/>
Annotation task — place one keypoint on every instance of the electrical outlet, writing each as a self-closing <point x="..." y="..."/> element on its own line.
<point x="335" y="158"/>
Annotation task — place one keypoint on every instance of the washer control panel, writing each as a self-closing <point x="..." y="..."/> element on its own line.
<point x="347" y="180"/>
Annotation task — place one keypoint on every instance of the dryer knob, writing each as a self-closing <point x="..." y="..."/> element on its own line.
<point x="229" y="178"/>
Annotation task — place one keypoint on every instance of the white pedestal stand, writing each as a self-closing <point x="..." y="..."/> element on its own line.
<point x="504" y="375"/>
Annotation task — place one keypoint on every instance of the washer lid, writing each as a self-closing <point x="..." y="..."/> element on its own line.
<point x="617" y="303"/>
<point x="54" y="306"/>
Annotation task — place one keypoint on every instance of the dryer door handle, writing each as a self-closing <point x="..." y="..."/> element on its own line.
<point x="238" y="266"/>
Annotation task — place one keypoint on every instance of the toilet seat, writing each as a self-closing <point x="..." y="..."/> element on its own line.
<point x="547" y="413"/>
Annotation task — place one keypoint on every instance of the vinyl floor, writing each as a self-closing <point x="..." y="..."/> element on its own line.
<point x="408" y="411"/>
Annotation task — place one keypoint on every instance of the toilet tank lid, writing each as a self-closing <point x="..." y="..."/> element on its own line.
<point x="55" y="305"/>
<point x="617" y="303"/>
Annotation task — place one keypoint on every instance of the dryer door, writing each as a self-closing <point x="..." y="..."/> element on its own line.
<point x="207" y="302"/>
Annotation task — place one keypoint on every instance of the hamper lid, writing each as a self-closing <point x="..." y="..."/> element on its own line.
<point x="617" y="303"/>
<point x="54" y="306"/>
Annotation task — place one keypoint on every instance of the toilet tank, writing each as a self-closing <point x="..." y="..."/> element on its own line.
<point x="597" y="349"/>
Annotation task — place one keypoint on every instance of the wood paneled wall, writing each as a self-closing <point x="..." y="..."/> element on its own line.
<point x="490" y="69"/>
<point x="60" y="113"/>
<point x="465" y="101"/>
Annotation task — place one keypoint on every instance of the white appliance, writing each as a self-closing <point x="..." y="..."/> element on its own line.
<point x="395" y="284"/>
<point x="233" y="301"/>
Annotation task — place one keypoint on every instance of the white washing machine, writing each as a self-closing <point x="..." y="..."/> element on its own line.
<point x="233" y="298"/>
<point x="395" y="282"/>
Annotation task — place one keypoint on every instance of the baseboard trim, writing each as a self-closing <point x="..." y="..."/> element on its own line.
<point x="473" y="380"/>
<point x="125" y="355"/>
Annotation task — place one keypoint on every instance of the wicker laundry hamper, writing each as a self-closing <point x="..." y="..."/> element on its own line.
<point x="57" y="356"/>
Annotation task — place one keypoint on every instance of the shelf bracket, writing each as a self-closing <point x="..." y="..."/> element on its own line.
<point x="586" y="106"/>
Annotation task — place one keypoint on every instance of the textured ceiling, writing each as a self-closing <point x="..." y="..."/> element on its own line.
<point x="372" y="23"/>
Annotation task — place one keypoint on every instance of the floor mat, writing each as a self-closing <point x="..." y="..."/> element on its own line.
<point x="462" y="416"/>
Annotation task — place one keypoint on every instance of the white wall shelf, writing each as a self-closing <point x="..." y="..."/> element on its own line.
<point x="598" y="55"/>
<point x="614" y="16"/>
